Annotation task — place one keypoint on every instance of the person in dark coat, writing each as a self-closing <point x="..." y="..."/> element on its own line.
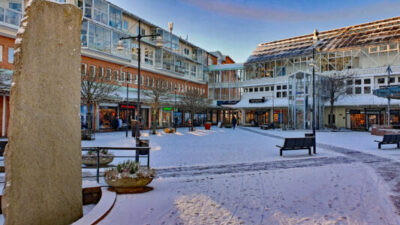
<point x="114" y="123"/>
<point x="234" y="121"/>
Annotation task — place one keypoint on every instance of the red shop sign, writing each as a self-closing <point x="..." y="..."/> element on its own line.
<point x="127" y="107"/>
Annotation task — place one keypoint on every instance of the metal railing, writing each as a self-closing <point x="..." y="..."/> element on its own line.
<point x="139" y="152"/>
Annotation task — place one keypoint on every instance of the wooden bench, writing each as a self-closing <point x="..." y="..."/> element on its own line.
<point x="297" y="144"/>
<point x="389" y="139"/>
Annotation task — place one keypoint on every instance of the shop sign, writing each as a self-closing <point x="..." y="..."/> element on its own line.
<point x="219" y="103"/>
<point x="167" y="109"/>
<point x="354" y="111"/>
<point x="127" y="106"/>
<point x="257" y="100"/>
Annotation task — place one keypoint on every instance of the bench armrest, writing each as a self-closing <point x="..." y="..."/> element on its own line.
<point x="279" y="146"/>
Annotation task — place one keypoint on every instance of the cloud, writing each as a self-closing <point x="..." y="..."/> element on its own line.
<point x="290" y="15"/>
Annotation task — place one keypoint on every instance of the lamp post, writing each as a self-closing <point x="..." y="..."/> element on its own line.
<point x="173" y="112"/>
<point x="121" y="48"/>
<point x="313" y="64"/>
<point x="389" y="71"/>
<point x="127" y="98"/>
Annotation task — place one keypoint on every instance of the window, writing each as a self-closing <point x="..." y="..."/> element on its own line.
<point x="92" y="71"/>
<point x="349" y="90"/>
<point x="391" y="80"/>
<point x="84" y="30"/>
<point x="392" y="47"/>
<point x="358" y="90"/>
<point x="284" y="94"/>
<point x="266" y="88"/>
<point x="278" y="87"/>
<point x="278" y="94"/>
<point x="284" y="87"/>
<point x="193" y="70"/>
<point x="373" y="49"/>
<point x="367" y="90"/>
<point x="129" y="78"/>
<point x="1" y="14"/>
<point x="12" y="17"/>
<point x="148" y="56"/>
<point x="101" y="72"/>
<point x="123" y="76"/>
<point x="99" y="38"/>
<point x="272" y="88"/>
<point x="255" y="89"/>
<point x="115" y="18"/>
<point x="10" y="55"/>
<point x="349" y="82"/>
<point x="261" y="89"/>
<point x="367" y="81"/>
<point x="250" y="89"/>
<point x="88" y="8"/>
<point x="125" y="25"/>
<point x="108" y="74"/>
<point x="83" y="69"/>
<point x="186" y="51"/>
<point x="116" y="75"/>
<point x="100" y="12"/>
<point x="381" y="80"/>
<point x="358" y="82"/>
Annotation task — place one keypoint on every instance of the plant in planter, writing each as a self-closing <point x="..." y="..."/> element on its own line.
<point x="129" y="177"/>
<point x="207" y="125"/>
<point x="90" y="158"/>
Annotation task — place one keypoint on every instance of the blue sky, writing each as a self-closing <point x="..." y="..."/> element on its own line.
<point x="236" y="27"/>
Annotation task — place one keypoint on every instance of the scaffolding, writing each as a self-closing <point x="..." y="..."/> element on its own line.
<point x="300" y="101"/>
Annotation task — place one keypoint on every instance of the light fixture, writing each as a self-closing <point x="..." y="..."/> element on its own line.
<point x="159" y="42"/>
<point x="120" y="46"/>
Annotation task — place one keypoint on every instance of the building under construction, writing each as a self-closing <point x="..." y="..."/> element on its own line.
<point x="277" y="77"/>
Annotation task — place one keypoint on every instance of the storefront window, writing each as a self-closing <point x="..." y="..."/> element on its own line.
<point x="107" y="115"/>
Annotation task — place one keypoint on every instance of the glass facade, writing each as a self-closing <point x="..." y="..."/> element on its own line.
<point x="11" y="12"/>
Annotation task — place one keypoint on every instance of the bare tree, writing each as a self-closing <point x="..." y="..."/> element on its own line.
<point x="193" y="101"/>
<point x="334" y="86"/>
<point x="158" y="93"/>
<point x="95" y="88"/>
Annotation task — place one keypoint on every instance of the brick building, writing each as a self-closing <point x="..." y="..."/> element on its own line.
<point x="177" y="62"/>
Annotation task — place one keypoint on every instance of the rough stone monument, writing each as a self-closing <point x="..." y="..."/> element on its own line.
<point x="43" y="155"/>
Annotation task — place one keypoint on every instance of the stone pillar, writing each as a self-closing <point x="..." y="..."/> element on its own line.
<point x="43" y="155"/>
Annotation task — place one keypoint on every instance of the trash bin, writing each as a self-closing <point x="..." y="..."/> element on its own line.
<point x="141" y="143"/>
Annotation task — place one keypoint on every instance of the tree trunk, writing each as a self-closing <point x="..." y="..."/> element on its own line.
<point x="192" y="122"/>
<point x="331" y="114"/>
<point x="154" y="127"/>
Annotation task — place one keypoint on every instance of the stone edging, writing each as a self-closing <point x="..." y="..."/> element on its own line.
<point x="102" y="208"/>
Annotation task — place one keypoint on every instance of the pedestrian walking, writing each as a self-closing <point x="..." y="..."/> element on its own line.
<point x="234" y="121"/>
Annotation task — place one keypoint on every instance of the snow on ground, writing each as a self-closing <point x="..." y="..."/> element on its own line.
<point x="336" y="194"/>
<point x="218" y="146"/>
<point x="227" y="176"/>
<point x="361" y="141"/>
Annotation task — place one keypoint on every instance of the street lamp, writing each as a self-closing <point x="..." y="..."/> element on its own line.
<point x="313" y="64"/>
<point x="173" y="113"/>
<point x="121" y="48"/>
<point x="389" y="71"/>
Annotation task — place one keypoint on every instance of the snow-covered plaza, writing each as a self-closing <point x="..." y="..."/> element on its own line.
<point x="226" y="176"/>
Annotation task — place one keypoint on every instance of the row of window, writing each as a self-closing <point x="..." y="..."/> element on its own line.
<point x="10" y="58"/>
<point x="127" y="77"/>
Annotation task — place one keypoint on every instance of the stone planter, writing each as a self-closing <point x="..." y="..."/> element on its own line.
<point x="127" y="184"/>
<point x="91" y="160"/>
<point x="207" y="126"/>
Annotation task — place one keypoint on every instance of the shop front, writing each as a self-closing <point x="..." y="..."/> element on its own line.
<point x="106" y="115"/>
<point x="363" y="119"/>
<point x="127" y="112"/>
